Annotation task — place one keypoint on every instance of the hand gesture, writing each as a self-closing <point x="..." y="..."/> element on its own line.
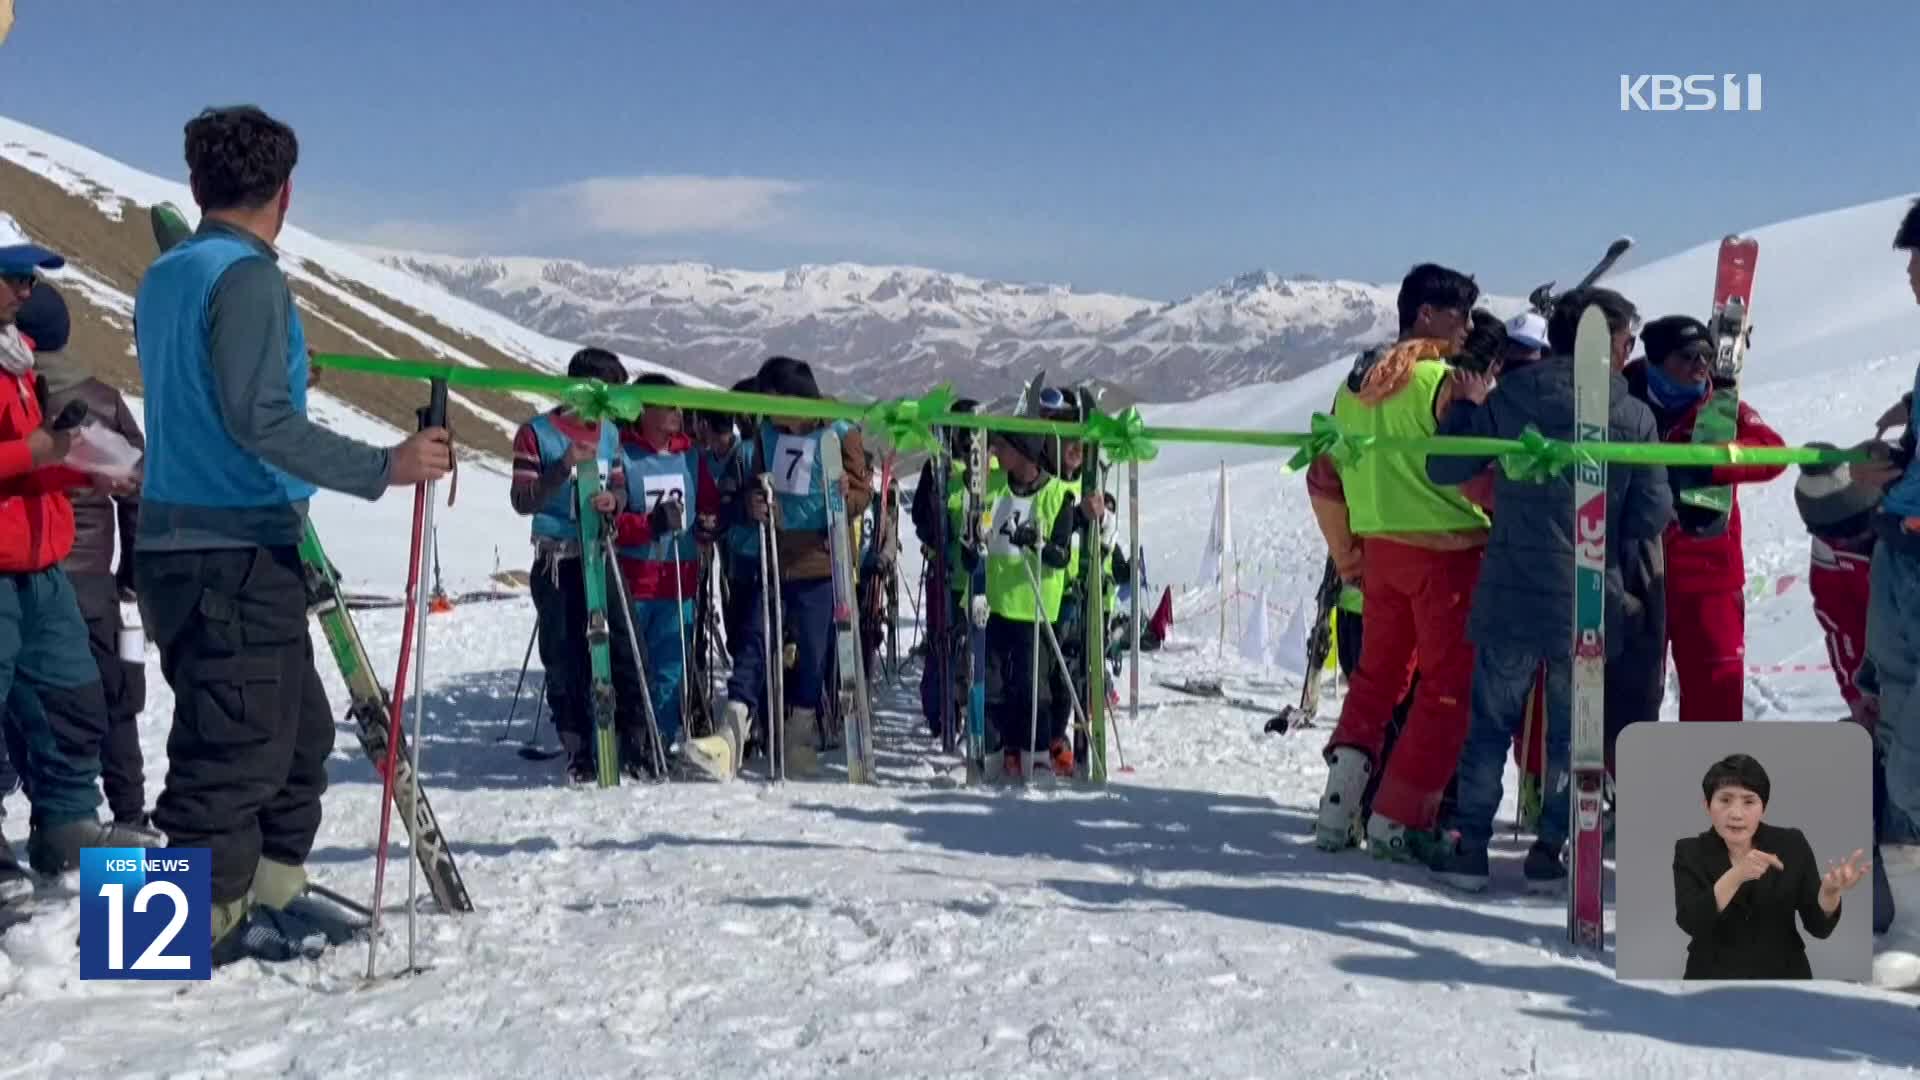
<point x="1473" y="386"/>
<point x="1842" y="876"/>
<point x="1897" y="416"/>
<point x="757" y="508"/>
<point x="113" y="487"/>
<point x="1878" y="471"/>
<point x="580" y="453"/>
<point x="1866" y="711"/>
<point x="1096" y="506"/>
<point x="49" y="447"/>
<point x="1755" y="863"/>
<point x="425" y="455"/>
<point x="604" y="502"/>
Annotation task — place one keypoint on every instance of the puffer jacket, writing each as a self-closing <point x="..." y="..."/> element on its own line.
<point x="1525" y="595"/>
<point x="36" y="520"/>
<point x="99" y="519"/>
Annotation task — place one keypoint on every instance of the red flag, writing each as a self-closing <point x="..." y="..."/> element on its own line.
<point x="1162" y="620"/>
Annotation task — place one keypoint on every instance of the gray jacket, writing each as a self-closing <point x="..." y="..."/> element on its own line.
<point x="1525" y="595"/>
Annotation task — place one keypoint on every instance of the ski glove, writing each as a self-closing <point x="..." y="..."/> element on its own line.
<point x="666" y="518"/>
<point x="1027" y="536"/>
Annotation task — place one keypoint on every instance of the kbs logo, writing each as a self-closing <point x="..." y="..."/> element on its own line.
<point x="1689" y="93"/>
<point x="146" y="913"/>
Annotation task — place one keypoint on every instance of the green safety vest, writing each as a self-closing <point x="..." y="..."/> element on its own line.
<point x="1389" y="493"/>
<point x="1009" y="589"/>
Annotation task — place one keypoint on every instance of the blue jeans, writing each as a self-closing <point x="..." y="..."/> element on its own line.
<point x="1893" y="645"/>
<point x="56" y="711"/>
<point x="1502" y="678"/>
<point x="665" y="628"/>
<point x="746" y="636"/>
<point x="809" y="611"/>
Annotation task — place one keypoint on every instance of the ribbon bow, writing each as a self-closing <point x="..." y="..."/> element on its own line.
<point x="1122" y="438"/>
<point x="1326" y="436"/>
<point x="908" y="424"/>
<point x="1539" y="458"/>
<point x="594" y="401"/>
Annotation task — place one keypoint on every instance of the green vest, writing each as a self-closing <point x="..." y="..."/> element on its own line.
<point x="1009" y="589"/>
<point x="958" y="579"/>
<point x="1388" y="491"/>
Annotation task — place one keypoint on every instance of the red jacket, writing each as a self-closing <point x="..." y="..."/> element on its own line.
<point x="1838" y="580"/>
<point x="36" y="520"/>
<point x="1708" y="560"/>
<point x="652" y="579"/>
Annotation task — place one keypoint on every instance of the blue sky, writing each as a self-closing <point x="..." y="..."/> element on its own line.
<point x="1151" y="149"/>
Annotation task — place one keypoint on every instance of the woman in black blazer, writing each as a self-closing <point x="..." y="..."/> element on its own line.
<point x="1737" y="886"/>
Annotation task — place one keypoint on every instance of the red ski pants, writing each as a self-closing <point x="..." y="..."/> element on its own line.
<point x="1416" y="602"/>
<point x="1708" y="635"/>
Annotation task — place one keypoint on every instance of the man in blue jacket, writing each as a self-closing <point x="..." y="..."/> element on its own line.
<point x="232" y="460"/>
<point x="1522" y="612"/>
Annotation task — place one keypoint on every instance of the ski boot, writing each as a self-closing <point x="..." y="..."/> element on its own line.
<point x="1390" y="841"/>
<point x="803" y="744"/>
<point x="55" y="850"/>
<point x="16" y="885"/>
<point x="1468" y="870"/>
<point x="283" y="888"/>
<point x="1544" y="870"/>
<point x="1347" y="771"/>
<point x="718" y="757"/>
<point x="1060" y="756"/>
<point x="244" y="930"/>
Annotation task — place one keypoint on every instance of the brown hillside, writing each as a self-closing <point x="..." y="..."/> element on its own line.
<point x="118" y="252"/>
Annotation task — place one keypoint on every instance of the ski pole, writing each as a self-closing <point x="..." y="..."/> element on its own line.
<point x="1059" y="657"/>
<point x="1033" y="699"/>
<point x="396" y="731"/>
<point x="434" y="415"/>
<point x="680" y="624"/>
<point x="776" y="646"/>
<point x="520" y="684"/>
<point x="1134" y="576"/>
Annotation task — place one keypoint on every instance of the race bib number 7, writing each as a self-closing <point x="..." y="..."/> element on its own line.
<point x="792" y="466"/>
<point x="664" y="487"/>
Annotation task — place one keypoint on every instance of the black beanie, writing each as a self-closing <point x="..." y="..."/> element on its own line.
<point x="783" y="376"/>
<point x="44" y="318"/>
<point x="1830" y="505"/>
<point x="1670" y="333"/>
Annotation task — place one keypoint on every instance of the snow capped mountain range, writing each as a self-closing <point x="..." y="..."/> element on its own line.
<point x="887" y="330"/>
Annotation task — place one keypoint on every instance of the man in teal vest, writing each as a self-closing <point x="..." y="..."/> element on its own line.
<point x="232" y="460"/>
<point x="546" y="451"/>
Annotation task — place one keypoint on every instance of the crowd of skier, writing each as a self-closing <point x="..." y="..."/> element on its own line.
<point x="1459" y="577"/>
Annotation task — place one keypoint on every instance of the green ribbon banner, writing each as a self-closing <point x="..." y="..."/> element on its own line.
<point x="908" y="424"/>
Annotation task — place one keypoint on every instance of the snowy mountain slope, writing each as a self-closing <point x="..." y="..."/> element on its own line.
<point x="90" y="208"/>
<point x="897" y="330"/>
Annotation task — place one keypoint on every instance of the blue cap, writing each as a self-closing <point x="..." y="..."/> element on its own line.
<point x="26" y="258"/>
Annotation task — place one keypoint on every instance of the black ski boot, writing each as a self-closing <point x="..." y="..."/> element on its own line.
<point x="55" y="851"/>
<point x="16" y="885"/>
<point x="271" y="935"/>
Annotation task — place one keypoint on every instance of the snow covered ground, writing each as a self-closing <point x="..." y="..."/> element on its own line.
<point x="1179" y="923"/>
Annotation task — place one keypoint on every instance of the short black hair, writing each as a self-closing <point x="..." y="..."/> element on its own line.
<point x="1564" y="324"/>
<point x="654" y="378"/>
<point x="238" y="157"/>
<point x="593" y="362"/>
<point x="1908" y="238"/>
<point x="1431" y="283"/>
<point x="1736" y="770"/>
<point x="784" y="376"/>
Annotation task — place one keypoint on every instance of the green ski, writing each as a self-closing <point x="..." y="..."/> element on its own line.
<point x="606" y="744"/>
